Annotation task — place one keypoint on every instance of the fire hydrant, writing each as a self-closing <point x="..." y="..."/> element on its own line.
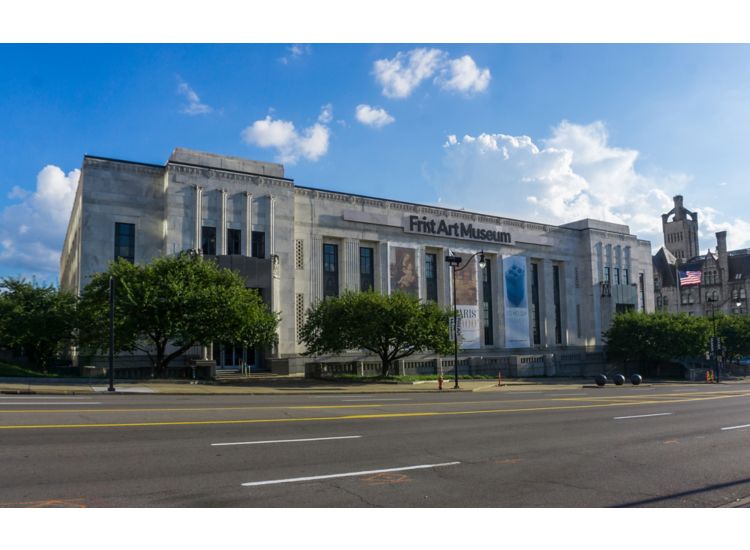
<point x="440" y="382"/>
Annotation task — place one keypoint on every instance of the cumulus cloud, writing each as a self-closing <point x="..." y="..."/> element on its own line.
<point x="575" y="173"/>
<point x="710" y="222"/>
<point x="463" y="75"/>
<point x="32" y="230"/>
<point x="294" y="52"/>
<point x="291" y="145"/>
<point x="194" y="105"/>
<point x="401" y="75"/>
<point x="373" y="116"/>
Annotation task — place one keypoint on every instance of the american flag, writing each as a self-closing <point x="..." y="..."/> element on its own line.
<point x="690" y="278"/>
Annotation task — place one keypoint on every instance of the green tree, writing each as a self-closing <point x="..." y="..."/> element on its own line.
<point x="645" y="337"/>
<point x="734" y="331"/>
<point x="391" y="326"/>
<point x="170" y="305"/>
<point x="38" y="320"/>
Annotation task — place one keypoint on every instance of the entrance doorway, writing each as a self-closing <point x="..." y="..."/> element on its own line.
<point x="229" y="356"/>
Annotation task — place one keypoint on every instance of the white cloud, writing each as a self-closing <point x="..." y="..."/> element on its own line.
<point x="373" y="116"/>
<point x="400" y="76"/>
<point x="17" y="193"/>
<point x="32" y="231"/>
<point x="573" y="174"/>
<point x="194" y="105"/>
<point x="710" y="222"/>
<point x="291" y="145"/>
<point x="463" y="75"/>
<point x="295" y="52"/>
<point x="326" y="114"/>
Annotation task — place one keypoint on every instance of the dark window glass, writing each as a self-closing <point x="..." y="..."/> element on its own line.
<point x="430" y="273"/>
<point x="617" y="275"/>
<point x="234" y="241"/>
<point x="606" y="275"/>
<point x="330" y="270"/>
<point x="558" y="306"/>
<point x="366" y="269"/>
<point x="487" y="304"/>
<point x="625" y="277"/>
<point x="125" y="241"/>
<point x="535" y="304"/>
<point x="208" y="240"/>
<point x="259" y="244"/>
<point x="642" y="286"/>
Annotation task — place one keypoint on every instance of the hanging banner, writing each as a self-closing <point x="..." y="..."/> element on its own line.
<point x="404" y="276"/>
<point x="467" y="304"/>
<point x="516" y="302"/>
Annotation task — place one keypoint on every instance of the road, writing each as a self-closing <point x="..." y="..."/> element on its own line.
<point x="659" y="446"/>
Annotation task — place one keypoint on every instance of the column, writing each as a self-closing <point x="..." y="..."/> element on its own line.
<point x="547" y="304"/>
<point x="350" y="264"/>
<point x="271" y="224"/>
<point x="222" y="229"/>
<point x="248" y="223"/>
<point x="198" y="217"/>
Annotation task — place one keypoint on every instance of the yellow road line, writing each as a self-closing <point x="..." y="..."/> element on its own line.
<point x="344" y="417"/>
<point x="612" y="398"/>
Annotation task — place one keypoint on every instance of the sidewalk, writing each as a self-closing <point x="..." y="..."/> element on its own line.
<point x="292" y="386"/>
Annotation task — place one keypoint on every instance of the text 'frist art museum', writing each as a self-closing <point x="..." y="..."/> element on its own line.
<point x="543" y="300"/>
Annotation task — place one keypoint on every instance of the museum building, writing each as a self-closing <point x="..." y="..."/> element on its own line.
<point x="544" y="288"/>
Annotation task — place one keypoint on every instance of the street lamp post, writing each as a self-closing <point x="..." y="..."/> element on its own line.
<point x="111" y="334"/>
<point x="454" y="262"/>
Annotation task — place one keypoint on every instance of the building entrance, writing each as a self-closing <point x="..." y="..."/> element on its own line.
<point x="229" y="356"/>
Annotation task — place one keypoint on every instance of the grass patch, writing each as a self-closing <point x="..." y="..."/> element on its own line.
<point x="6" y="369"/>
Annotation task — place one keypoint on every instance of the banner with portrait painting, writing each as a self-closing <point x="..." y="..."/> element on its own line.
<point x="516" y="302"/>
<point x="403" y="270"/>
<point x="467" y="302"/>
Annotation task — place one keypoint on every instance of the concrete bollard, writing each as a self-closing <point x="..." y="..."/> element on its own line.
<point x="600" y="380"/>
<point x="636" y="379"/>
<point x="619" y="379"/>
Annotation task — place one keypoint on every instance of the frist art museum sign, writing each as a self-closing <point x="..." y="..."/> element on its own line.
<point x="460" y="230"/>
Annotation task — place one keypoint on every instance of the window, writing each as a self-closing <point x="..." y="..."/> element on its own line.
<point x="558" y="306"/>
<point x="487" y="304"/>
<point x="234" y="241"/>
<point x="299" y="254"/>
<point x="617" y="275"/>
<point x="330" y="270"/>
<point x="642" y="286"/>
<point x="125" y="241"/>
<point x="625" y="277"/>
<point x="259" y="244"/>
<point x="535" y="304"/>
<point x="208" y="240"/>
<point x="606" y="275"/>
<point x="366" y="269"/>
<point x="430" y="274"/>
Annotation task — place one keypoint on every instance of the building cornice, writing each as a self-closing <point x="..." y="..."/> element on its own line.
<point x="228" y="175"/>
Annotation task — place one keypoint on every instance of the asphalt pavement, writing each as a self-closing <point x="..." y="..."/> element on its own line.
<point x="562" y="445"/>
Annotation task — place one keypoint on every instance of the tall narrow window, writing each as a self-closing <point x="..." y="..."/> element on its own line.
<point x="558" y="305"/>
<point x="330" y="270"/>
<point x="617" y="275"/>
<point x="234" y="241"/>
<point x="606" y="275"/>
<point x="366" y="269"/>
<point x="430" y="275"/>
<point x="125" y="241"/>
<point x="625" y="277"/>
<point x="578" y="320"/>
<point x="642" y="286"/>
<point x="208" y="240"/>
<point x="487" y="304"/>
<point x="259" y="244"/>
<point x="535" y="304"/>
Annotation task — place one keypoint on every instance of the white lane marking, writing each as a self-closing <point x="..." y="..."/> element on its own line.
<point x="641" y="416"/>
<point x="45" y="397"/>
<point x="736" y="427"/>
<point x="569" y="394"/>
<point x="395" y="399"/>
<point x="50" y="403"/>
<point x="349" y="474"/>
<point x="286" y="440"/>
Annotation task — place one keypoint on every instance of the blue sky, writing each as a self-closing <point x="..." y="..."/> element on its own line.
<point x="550" y="133"/>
